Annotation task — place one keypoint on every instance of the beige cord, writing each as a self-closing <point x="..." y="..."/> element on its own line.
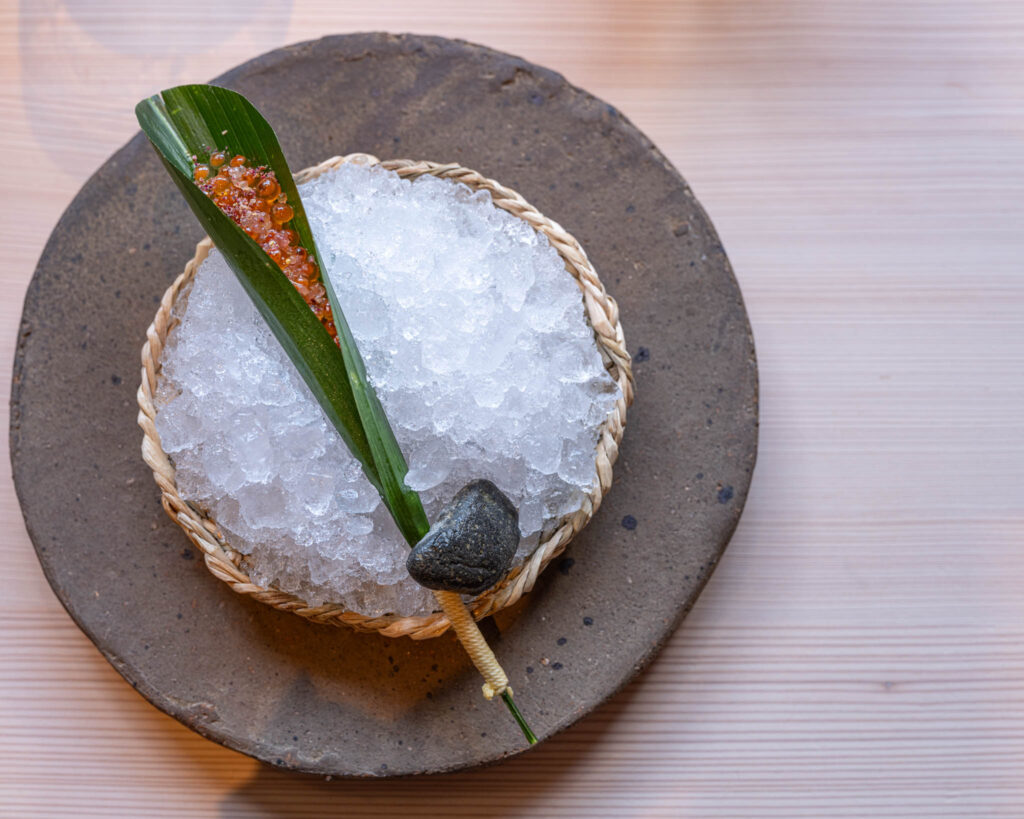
<point x="473" y="641"/>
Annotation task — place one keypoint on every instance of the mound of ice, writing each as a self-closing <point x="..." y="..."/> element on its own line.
<point x="475" y="338"/>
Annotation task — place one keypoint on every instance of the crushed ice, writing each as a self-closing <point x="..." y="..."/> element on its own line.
<point x="475" y="338"/>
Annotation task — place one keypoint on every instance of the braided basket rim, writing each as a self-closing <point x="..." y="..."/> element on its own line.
<point x="226" y="564"/>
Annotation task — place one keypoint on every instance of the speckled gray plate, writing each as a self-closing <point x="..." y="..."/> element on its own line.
<point x="331" y="701"/>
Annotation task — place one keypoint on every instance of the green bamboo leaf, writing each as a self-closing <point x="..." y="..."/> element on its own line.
<point x="193" y="120"/>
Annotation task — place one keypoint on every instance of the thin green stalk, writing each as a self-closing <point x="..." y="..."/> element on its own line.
<point x="520" y="721"/>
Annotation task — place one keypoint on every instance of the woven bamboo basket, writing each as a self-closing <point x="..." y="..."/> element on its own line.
<point x="227" y="564"/>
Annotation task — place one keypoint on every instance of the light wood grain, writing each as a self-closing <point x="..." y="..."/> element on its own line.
<point x="860" y="649"/>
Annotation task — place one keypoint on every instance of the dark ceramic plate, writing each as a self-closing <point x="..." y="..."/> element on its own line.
<point x="330" y="701"/>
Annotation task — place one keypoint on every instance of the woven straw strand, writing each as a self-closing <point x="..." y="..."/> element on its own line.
<point x="226" y="564"/>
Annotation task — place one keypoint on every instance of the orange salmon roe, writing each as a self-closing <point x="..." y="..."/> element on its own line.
<point x="252" y="199"/>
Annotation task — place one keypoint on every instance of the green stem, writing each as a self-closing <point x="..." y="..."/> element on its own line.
<point x="530" y="737"/>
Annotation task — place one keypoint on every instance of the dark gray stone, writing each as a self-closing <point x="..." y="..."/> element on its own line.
<point x="471" y="545"/>
<point x="333" y="701"/>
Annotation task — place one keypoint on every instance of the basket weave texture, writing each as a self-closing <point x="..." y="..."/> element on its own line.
<point x="226" y="563"/>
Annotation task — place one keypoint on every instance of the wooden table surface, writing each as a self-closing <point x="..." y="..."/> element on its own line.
<point x="860" y="649"/>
